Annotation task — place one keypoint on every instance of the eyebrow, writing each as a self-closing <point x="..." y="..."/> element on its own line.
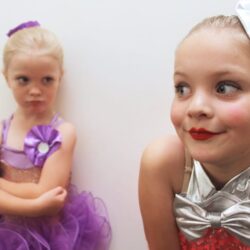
<point x="179" y="73"/>
<point x="214" y="73"/>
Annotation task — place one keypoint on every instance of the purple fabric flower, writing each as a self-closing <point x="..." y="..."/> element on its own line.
<point x="40" y="142"/>
<point x="21" y="26"/>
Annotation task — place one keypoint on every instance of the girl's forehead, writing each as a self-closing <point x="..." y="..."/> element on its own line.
<point x="22" y="62"/>
<point x="205" y="52"/>
<point x="215" y="41"/>
<point x="30" y="58"/>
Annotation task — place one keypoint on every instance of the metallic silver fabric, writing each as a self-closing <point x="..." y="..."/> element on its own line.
<point x="203" y="206"/>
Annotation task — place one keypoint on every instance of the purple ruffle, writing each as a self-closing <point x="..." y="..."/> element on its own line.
<point x="82" y="225"/>
<point x="40" y="142"/>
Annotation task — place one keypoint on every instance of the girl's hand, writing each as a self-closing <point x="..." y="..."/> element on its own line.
<point x="51" y="201"/>
<point x="55" y="172"/>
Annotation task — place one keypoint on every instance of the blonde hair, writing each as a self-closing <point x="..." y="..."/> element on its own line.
<point x="220" y="22"/>
<point x="32" y="40"/>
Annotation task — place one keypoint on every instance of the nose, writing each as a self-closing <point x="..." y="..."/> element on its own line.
<point x="35" y="90"/>
<point x="200" y="106"/>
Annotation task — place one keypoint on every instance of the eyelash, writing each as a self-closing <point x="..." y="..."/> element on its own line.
<point x="179" y="88"/>
<point x="221" y="88"/>
<point x="22" y="80"/>
<point x="234" y="86"/>
<point x="48" y="80"/>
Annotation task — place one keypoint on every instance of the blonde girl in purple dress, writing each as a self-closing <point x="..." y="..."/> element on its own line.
<point x="37" y="150"/>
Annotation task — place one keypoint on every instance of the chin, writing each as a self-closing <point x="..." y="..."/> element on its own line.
<point x="205" y="155"/>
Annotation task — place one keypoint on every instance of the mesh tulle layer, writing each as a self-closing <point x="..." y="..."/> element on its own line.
<point x="214" y="239"/>
<point x="81" y="225"/>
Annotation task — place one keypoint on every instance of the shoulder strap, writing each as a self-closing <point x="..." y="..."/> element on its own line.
<point x="5" y="128"/>
<point x="187" y="171"/>
<point x="56" y="121"/>
<point x="1" y="132"/>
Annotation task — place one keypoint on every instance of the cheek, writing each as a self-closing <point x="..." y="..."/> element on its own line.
<point x="51" y="94"/>
<point x="176" y="115"/>
<point x="18" y="95"/>
<point x="236" y="115"/>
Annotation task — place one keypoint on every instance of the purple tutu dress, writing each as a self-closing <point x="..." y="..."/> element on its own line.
<point x="83" y="222"/>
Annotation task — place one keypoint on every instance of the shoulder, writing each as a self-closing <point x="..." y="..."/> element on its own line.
<point x="161" y="175"/>
<point x="163" y="159"/>
<point x="68" y="133"/>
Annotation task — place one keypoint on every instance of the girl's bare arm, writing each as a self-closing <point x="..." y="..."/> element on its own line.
<point x="47" y="204"/>
<point x="56" y="170"/>
<point x="160" y="178"/>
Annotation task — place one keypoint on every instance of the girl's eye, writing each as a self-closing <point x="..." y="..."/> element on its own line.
<point x="22" y="80"/>
<point x="182" y="89"/>
<point x="227" y="87"/>
<point x="48" y="80"/>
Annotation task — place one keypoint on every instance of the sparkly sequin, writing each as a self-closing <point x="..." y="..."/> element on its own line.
<point x="211" y="219"/>
<point x="20" y="175"/>
<point x="214" y="239"/>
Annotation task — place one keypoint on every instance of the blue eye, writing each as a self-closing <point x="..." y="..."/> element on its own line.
<point x="227" y="87"/>
<point x="22" y="80"/>
<point x="182" y="89"/>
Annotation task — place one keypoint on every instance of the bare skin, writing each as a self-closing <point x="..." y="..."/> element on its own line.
<point x="56" y="171"/>
<point x="48" y="203"/>
<point x="212" y="95"/>
<point x="161" y="176"/>
<point x="34" y="80"/>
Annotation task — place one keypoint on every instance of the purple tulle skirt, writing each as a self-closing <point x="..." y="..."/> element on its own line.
<point x="81" y="225"/>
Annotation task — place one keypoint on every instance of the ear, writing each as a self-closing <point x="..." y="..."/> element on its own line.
<point x="5" y="76"/>
<point x="62" y="73"/>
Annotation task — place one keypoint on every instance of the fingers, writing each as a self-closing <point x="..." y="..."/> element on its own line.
<point x="60" y="192"/>
<point x="63" y="194"/>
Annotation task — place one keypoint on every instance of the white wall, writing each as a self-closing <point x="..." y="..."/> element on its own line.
<point x="117" y="87"/>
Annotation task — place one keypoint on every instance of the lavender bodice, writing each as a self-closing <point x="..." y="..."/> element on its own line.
<point x="40" y="142"/>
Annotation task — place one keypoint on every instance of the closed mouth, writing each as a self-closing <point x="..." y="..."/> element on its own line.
<point x="202" y="134"/>
<point x="35" y="102"/>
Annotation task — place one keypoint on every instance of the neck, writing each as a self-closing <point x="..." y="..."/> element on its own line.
<point x="220" y="174"/>
<point x="33" y="119"/>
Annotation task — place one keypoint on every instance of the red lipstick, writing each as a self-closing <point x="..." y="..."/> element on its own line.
<point x="201" y="134"/>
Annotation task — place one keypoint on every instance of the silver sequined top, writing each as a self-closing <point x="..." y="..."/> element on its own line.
<point x="203" y="206"/>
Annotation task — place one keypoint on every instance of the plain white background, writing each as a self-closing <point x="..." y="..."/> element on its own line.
<point x="117" y="88"/>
